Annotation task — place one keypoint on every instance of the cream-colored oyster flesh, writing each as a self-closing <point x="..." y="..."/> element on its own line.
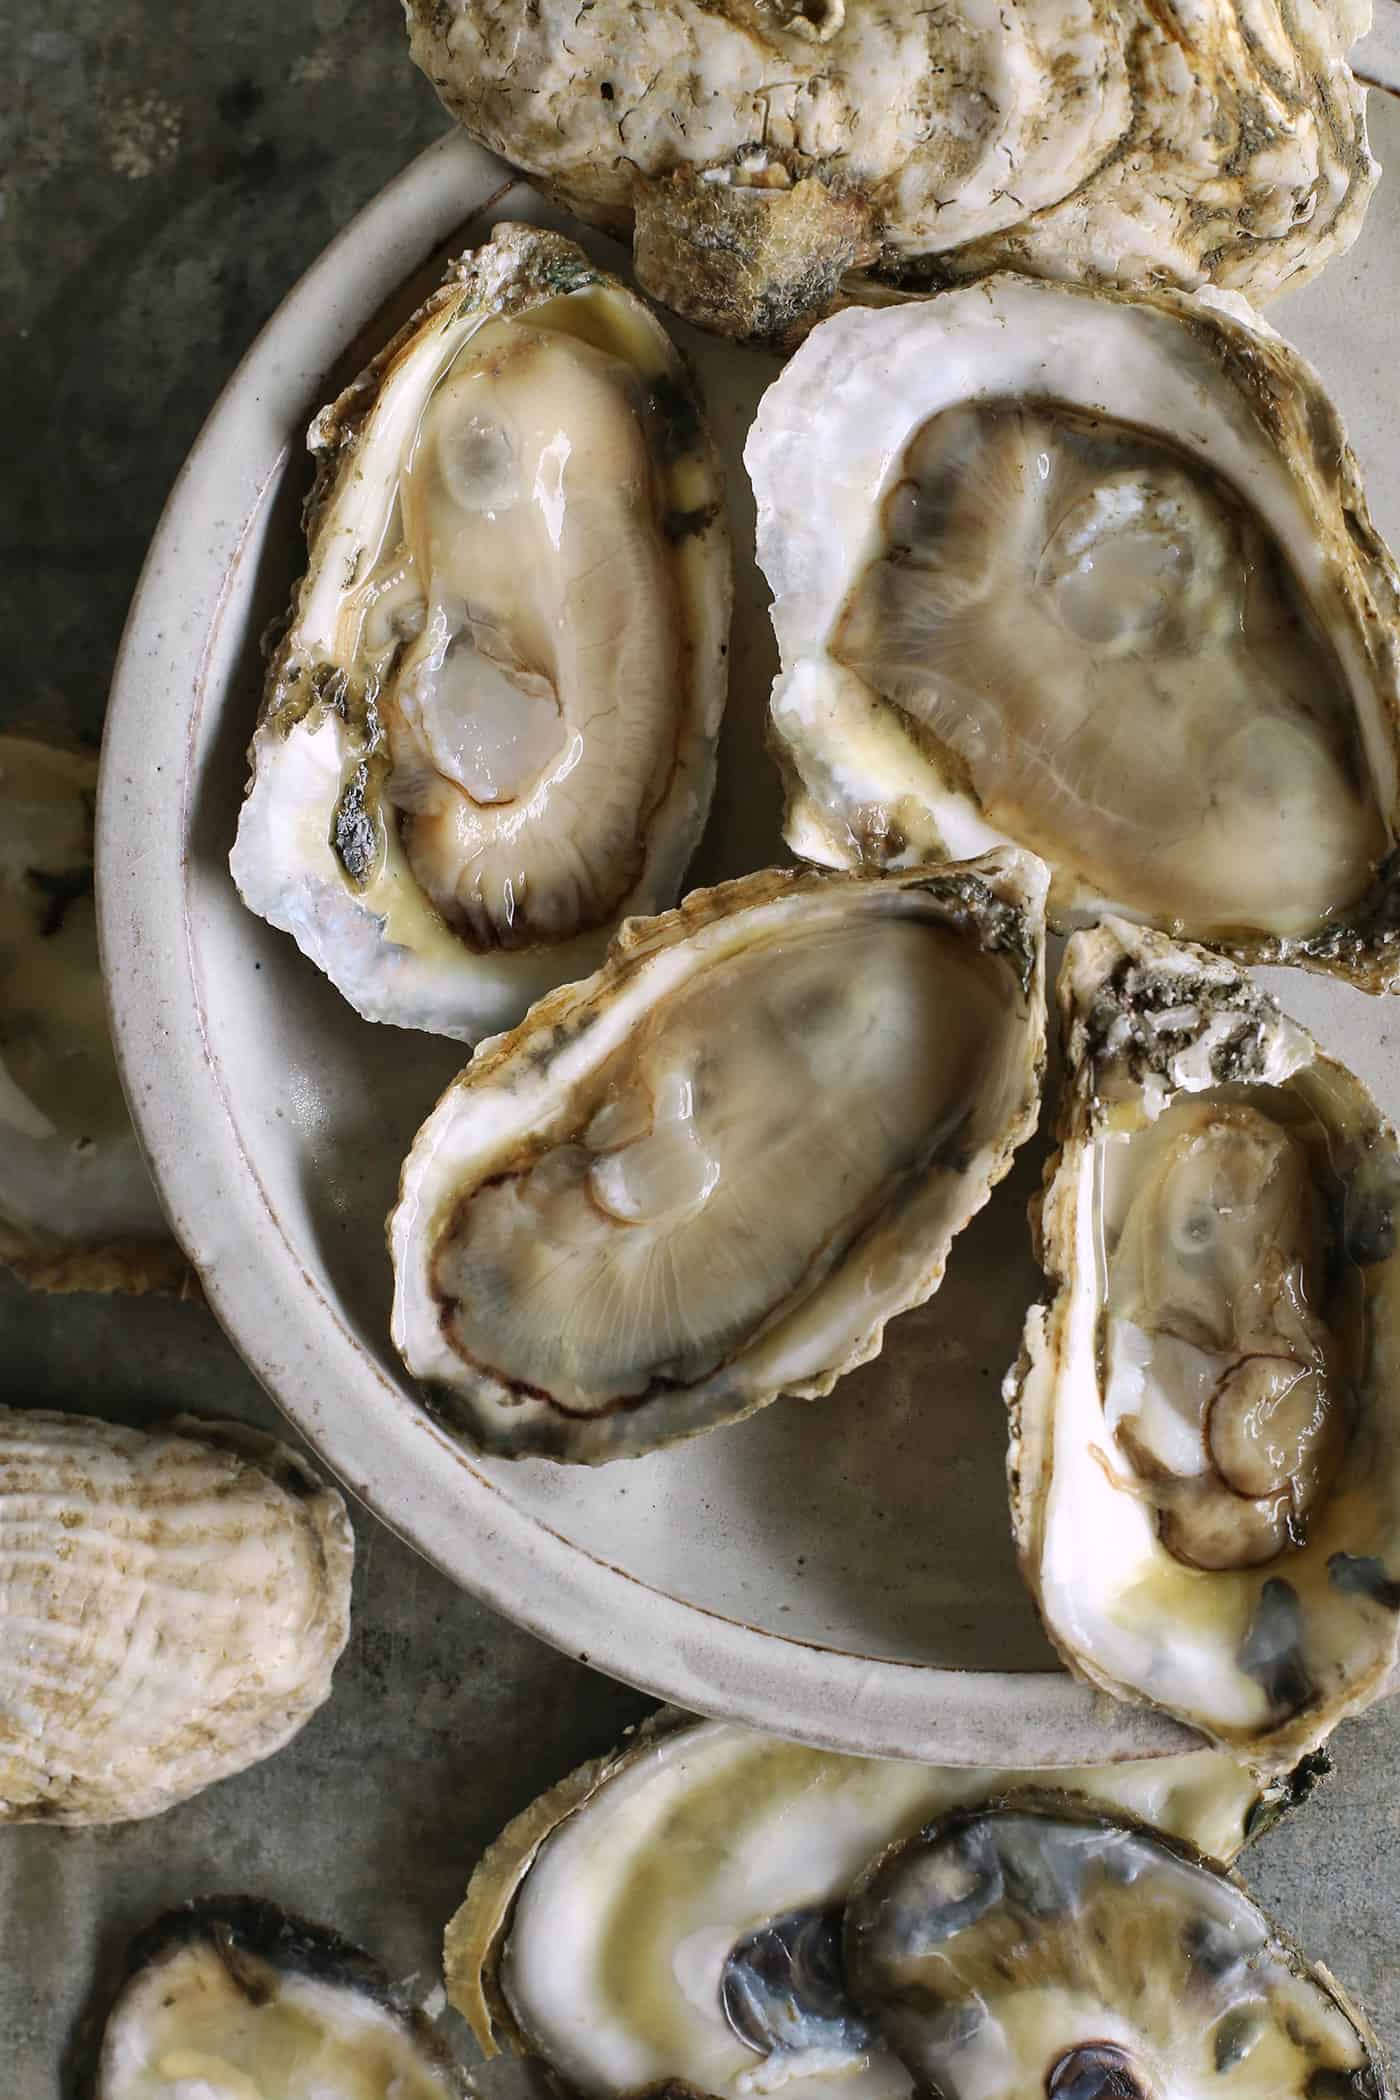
<point x="673" y="1912"/>
<point x="77" y="1209"/>
<point x="1205" y="1453"/>
<point x="712" y="1172"/>
<point x="230" y="1998"/>
<point x="760" y="153"/>
<point x="489" y="734"/>
<point x="1039" y="1947"/>
<point x="1093" y="574"/>
<point x="172" y="1604"/>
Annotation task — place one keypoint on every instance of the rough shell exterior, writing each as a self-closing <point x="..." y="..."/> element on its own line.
<point x="762" y="151"/>
<point x="172" y="1604"/>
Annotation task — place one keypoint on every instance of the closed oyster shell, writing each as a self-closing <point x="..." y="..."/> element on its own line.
<point x="172" y="1604"/>
<point x="230" y="1995"/>
<point x="760" y="152"/>
<point x="670" y="1913"/>
<point x="712" y="1172"/>
<point x="1093" y="574"/>
<point x="1205" y="1420"/>
<point x="77" y="1209"/>
<point x="469" y="767"/>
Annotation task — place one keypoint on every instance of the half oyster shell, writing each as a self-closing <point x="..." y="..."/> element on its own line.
<point x="230" y="1995"/>
<point x="1037" y="1947"/>
<point x="712" y="1172"/>
<point x="760" y="152"/>
<point x="1093" y="574"/>
<point x="77" y="1209"/>
<point x="469" y="766"/>
<point x="1205" y="1421"/>
<point x="172" y="1604"/>
<point x="672" y="1913"/>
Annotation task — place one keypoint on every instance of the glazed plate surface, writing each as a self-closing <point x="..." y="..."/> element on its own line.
<point x="838" y="1570"/>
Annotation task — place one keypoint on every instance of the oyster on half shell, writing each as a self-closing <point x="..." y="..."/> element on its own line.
<point x="489" y="733"/>
<point x="1093" y="574"/>
<point x="77" y="1209"/>
<point x="673" y="1912"/>
<point x="1039" y="1947"/>
<point x="1205" y="1420"/>
<point x="172" y="1605"/>
<point x="757" y="152"/>
<point x="711" y="1173"/>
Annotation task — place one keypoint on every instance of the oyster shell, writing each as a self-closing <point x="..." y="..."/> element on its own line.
<point x="231" y="1996"/>
<point x="1094" y="574"/>
<point x="672" y="1913"/>
<point x="1205" y="1448"/>
<point x="77" y="1209"/>
<point x="760" y="152"/>
<point x="172" y="1604"/>
<point x="1036" y="1947"/>
<point x="712" y="1172"/>
<point x="469" y="768"/>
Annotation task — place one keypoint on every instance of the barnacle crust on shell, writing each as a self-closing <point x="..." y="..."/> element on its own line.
<point x="761" y="152"/>
<point x="489" y="732"/>
<point x="711" y="1173"/>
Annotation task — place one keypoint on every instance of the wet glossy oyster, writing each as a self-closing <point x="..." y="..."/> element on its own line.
<point x="1094" y="574"/>
<point x="77" y="1210"/>
<point x="489" y="733"/>
<point x="229" y="1998"/>
<point x="760" y="151"/>
<point x="172" y="1604"/>
<point x="712" y="1172"/>
<point x="1038" y="1948"/>
<point x="1205" y="1461"/>
<point x="674" y="1912"/>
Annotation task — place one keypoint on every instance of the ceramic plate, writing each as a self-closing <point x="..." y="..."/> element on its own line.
<point x="838" y="1570"/>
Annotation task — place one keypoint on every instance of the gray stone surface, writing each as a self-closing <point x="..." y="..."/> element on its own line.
<point x="168" y="172"/>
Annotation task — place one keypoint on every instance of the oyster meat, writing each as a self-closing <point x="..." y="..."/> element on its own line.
<point x="712" y="1172"/>
<point x="77" y="1209"/>
<point x="673" y="1913"/>
<point x="1205" y="1452"/>
<point x="1037" y="1947"/>
<point x="489" y="733"/>
<point x="172" y="1605"/>
<point x="229" y="1998"/>
<point x="759" y="152"/>
<point x="1093" y="574"/>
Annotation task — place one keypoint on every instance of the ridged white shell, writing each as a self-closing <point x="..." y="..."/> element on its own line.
<point x="172" y="1604"/>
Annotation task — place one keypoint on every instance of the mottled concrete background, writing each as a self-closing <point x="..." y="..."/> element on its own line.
<point x="167" y="173"/>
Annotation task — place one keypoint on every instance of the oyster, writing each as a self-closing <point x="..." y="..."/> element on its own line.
<point x="711" y="1173"/>
<point x="231" y="1996"/>
<point x="172" y="1604"/>
<point x="77" y="1210"/>
<point x="470" y="765"/>
<point x="1205" y="1452"/>
<point x="672" y="1913"/>
<point x="1094" y="574"/>
<point x="1039" y="1948"/>
<point x="759" y="152"/>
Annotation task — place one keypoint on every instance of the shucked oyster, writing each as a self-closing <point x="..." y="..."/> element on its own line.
<point x="711" y="1173"/>
<point x="1205" y="1460"/>
<point x="228" y="1998"/>
<point x="759" y="151"/>
<point x="172" y="1605"/>
<point x="673" y="1913"/>
<point x="77" y="1210"/>
<point x="490" y="732"/>
<point x="1094" y="574"/>
<point x="1037" y="1947"/>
